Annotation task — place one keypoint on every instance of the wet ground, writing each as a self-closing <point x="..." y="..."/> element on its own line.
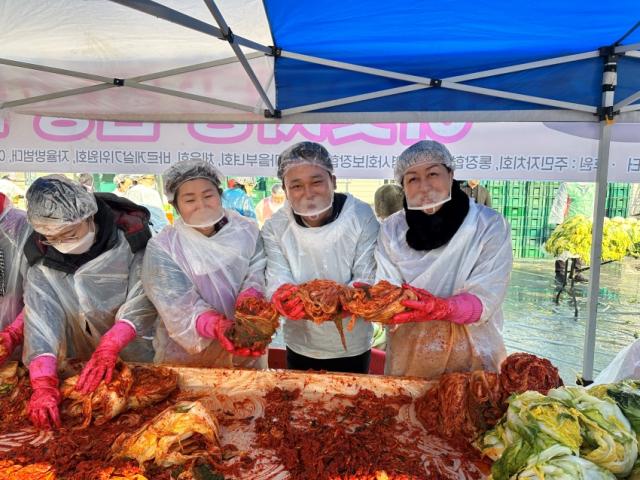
<point x="535" y="324"/>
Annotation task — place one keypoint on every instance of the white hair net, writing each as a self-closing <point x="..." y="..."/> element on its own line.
<point x="425" y="151"/>
<point x="55" y="202"/>
<point x="309" y="153"/>
<point x="182" y="172"/>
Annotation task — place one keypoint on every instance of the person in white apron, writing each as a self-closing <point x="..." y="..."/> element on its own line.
<point x="319" y="234"/>
<point x="196" y="269"/>
<point x="457" y="256"/>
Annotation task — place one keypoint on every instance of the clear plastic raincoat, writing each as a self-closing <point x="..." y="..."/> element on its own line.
<point x="477" y="260"/>
<point x="67" y="313"/>
<point x="14" y="231"/>
<point x="187" y="273"/>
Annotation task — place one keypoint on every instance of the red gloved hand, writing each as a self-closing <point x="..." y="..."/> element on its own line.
<point x="43" y="404"/>
<point x="11" y="337"/>
<point x="287" y="303"/>
<point x="426" y="308"/>
<point x="248" y="293"/>
<point x="247" y="352"/>
<point x="103" y="361"/>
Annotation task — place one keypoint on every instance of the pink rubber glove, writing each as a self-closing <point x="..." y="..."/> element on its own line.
<point x="101" y="364"/>
<point x="11" y="337"/>
<point x="460" y="309"/>
<point x="212" y="324"/>
<point x="43" y="404"/>
<point x="465" y="308"/>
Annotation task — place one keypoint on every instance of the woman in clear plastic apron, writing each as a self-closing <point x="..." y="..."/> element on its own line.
<point x="196" y="269"/>
<point x="457" y="257"/>
<point x="14" y="231"/>
<point x="83" y="294"/>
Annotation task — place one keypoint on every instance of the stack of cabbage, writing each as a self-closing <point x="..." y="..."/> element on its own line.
<point x="632" y="227"/>
<point x="573" y="237"/>
<point x="572" y="433"/>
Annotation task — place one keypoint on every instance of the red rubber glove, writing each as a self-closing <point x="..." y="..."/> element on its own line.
<point x="43" y="404"/>
<point x="101" y="364"/>
<point x="287" y="304"/>
<point x="11" y="337"/>
<point x="461" y="309"/>
<point x="427" y="307"/>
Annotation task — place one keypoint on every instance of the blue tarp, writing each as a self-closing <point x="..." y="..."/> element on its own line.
<point x="444" y="39"/>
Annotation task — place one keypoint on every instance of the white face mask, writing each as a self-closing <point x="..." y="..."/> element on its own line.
<point x="429" y="203"/>
<point x="204" y="218"/>
<point x="313" y="212"/>
<point x="82" y="245"/>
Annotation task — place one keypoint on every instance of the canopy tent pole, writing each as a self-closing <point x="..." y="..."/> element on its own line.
<point x="609" y="80"/>
<point x="229" y="36"/>
<point x="427" y="81"/>
<point x="161" y="11"/>
<point x="56" y="95"/>
<point x="627" y="101"/>
<point x="630" y="108"/>
<point x="132" y="82"/>
<point x="453" y="83"/>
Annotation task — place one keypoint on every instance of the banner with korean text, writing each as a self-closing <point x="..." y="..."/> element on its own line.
<point x="526" y="151"/>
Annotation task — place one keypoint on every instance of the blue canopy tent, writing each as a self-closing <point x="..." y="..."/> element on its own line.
<point x="330" y="62"/>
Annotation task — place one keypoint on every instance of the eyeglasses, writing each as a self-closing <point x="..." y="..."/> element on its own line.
<point x="53" y="243"/>
<point x="63" y="238"/>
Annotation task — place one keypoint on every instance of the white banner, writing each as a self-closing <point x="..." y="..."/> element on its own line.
<point x="526" y="151"/>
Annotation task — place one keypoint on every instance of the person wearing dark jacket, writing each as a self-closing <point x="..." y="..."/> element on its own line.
<point x="477" y="192"/>
<point x="83" y="295"/>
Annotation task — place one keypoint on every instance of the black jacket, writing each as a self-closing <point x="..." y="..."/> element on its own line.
<point x="114" y="213"/>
